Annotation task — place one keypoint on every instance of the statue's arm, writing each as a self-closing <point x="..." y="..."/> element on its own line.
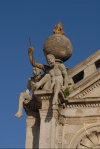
<point x="65" y="76"/>
<point x="32" y="61"/>
<point x="29" y="85"/>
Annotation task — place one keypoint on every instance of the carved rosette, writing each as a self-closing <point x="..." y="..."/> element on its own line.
<point x="90" y="141"/>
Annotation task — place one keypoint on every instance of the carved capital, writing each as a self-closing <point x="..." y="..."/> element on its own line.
<point x="48" y="114"/>
<point x="45" y="98"/>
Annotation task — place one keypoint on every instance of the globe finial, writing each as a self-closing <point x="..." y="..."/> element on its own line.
<point x="58" y="45"/>
<point x="58" y="29"/>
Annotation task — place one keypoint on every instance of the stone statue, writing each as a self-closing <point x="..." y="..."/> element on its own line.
<point x="58" y="29"/>
<point x="25" y="97"/>
<point x="55" y="75"/>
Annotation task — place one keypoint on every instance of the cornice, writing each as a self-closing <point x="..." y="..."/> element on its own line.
<point x="86" y="105"/>
<point x="88" y="90"/>
<point x="32" y="107"/>
<point x="82" y="120"/>
<point x="82" y="102"/>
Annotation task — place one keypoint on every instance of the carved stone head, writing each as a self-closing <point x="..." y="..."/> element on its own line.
<point x="36" y="71"/>
<point x="50" y="60"/>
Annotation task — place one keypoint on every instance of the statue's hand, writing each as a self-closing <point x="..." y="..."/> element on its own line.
<point x="32" y="85"/>
<point x="30" y="50"/>
<point x="27" y="91"/>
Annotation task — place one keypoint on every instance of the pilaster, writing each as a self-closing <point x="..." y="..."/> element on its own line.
<point x="32" y="131"/>
<point x="48" y="128"/>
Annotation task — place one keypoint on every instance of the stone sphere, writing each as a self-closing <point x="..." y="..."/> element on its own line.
<point x="59" y="46"/>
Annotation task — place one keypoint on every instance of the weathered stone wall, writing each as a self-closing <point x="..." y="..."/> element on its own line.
<point x="78" y="120"/>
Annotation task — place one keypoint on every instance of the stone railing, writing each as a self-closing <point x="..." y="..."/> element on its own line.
<point x="84" y="69"/>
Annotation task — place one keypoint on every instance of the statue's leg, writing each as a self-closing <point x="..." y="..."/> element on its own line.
<point x="20" y="108"/>
<point x="45" y="81"/>
<point x="57" y="88"/>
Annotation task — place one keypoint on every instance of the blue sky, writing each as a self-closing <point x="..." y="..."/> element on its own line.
<point x="36" y="18"/>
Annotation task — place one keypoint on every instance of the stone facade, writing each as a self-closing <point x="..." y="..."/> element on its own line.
<point x="75" y="122"/>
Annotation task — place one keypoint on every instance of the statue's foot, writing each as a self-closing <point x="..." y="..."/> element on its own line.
<point x="35" y="86"/>
<point x="48" y="89"/>
<point x="55" y="102"/>
<point x="18" y="114"/>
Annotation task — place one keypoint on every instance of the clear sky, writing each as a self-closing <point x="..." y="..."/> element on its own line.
<point x="36" y="18"/>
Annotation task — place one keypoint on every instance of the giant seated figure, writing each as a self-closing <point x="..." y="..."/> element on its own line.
<point x="55" y="75"/>
<point x="57" y="49"/>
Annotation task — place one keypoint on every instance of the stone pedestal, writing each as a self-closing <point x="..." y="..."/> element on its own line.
<point x="32" y="131"/>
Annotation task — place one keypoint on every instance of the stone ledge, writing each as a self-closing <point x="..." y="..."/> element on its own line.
<point x="43" y="101"/>
<point x="82" y="120"/>
<point x="82" y="102"/>
<point x="86" y="99"/>
<point x="46" y="97"/>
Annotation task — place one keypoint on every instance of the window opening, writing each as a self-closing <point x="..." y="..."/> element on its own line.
<point x="97" y="64"/>
<point x="78" y="77"/>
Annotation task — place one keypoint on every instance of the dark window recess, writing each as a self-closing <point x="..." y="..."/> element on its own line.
<point x="97" y="64"/>
<point x="78" y="77"/>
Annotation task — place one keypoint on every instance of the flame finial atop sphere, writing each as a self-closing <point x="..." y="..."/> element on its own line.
<point x="58" y="45"/>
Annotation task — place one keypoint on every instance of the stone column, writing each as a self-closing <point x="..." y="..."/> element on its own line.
<point x="32" y="131"/>
<point x="48" y="128"/>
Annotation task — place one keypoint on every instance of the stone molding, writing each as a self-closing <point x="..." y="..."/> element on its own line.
<point x="46" y="97"/>
<point x="88" y="90"/>
<point x="81" y="120"/>
<point x="83" y="103"/>
<point x="30" y="122"/>
<point x="48" y="113"/>
<point x="78" y="105"/>
<point x="32" y="107"/>
<point x="33" y="120"/>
